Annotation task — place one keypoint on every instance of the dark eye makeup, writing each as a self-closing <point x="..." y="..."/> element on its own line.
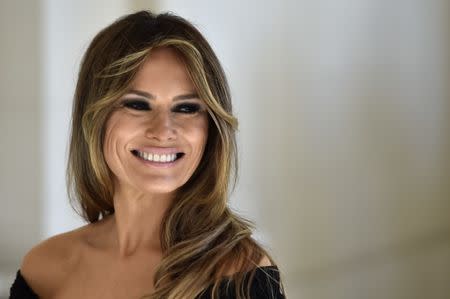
<point x="142" y="105"/>
<point x="189" y="108"/>
<point x="136" y="104"/>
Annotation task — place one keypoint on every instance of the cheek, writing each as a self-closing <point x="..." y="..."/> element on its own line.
<point x="200" y="135"/>
<point x="109" y="151"/>
<point x="114" y="145"/>
<point x="195" y="134"/>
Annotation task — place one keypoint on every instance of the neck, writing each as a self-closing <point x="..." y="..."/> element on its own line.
<point x="137" y="221"/>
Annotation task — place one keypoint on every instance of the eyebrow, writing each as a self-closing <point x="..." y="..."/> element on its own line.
<point x="187" y="96"/>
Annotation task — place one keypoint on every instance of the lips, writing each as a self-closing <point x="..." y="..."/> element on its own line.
<point x="159" y="156"/>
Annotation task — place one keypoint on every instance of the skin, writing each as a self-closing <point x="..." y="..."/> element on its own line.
<point x="116" y="257"/>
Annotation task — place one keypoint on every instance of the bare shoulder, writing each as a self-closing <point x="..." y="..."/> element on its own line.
<point x="236" y="266"/>
<point x="45" y="266"/>
<point x="265" y="261"/>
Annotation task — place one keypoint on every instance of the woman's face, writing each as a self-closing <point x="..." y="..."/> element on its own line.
<point x="155" y="140"/>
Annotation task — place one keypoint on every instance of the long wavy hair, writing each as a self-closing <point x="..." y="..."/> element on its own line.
<point x="200" y="236"/>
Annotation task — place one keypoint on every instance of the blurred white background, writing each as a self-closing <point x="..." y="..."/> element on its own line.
<point x="344" y="110"/>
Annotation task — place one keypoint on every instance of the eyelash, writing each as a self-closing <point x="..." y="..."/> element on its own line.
<point x="144" y="106"/>
<point x="136" y="105"/>
<point x="188" y="108"/>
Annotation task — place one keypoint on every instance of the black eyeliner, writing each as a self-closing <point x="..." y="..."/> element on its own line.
<point x="192" y="108"/>
<point x="136" y="104"/>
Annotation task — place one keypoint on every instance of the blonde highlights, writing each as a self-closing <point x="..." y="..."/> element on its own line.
<point x="201" y="237"/>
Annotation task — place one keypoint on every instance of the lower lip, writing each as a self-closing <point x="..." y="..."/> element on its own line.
<point x="159" y="164"/>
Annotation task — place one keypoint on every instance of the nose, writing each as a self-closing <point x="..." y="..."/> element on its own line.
<point x="160" y="127"/>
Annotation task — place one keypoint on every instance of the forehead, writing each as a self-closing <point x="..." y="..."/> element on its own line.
<point x="164" y="68"/>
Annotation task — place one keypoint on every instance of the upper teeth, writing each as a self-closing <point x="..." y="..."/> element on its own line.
<point x="156" y="157"/>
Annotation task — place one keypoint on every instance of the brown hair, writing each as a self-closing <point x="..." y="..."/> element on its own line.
<point x="196" y="253"/>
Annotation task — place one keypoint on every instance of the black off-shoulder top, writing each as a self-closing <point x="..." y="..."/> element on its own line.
<point x="265" y="285"/>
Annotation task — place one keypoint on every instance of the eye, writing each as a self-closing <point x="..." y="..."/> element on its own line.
<point x="187" y="108"/>
<point x="136" y="104"/>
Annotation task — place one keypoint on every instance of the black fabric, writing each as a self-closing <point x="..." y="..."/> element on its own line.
<point x="20" y="289"/>
<point x="265" y="285"/>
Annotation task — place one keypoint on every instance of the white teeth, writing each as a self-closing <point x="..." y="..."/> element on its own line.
<point x="157" y="157"/>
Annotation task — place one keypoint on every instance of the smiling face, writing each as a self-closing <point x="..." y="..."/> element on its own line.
<point x="155" y="139"/>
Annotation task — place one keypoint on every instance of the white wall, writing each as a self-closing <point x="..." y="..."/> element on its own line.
<point x="344" y="132"/>
<point x="20" y="128"/>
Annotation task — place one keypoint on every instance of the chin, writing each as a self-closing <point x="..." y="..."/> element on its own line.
<point x="159" y="189"/>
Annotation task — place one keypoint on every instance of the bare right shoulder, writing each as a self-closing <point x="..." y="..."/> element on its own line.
<point x="47" y="264"/>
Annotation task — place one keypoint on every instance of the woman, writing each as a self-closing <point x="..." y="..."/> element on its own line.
<point x="152" y="151"/>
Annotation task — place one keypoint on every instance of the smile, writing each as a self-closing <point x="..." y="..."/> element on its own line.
<point x="160" y="158"/>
